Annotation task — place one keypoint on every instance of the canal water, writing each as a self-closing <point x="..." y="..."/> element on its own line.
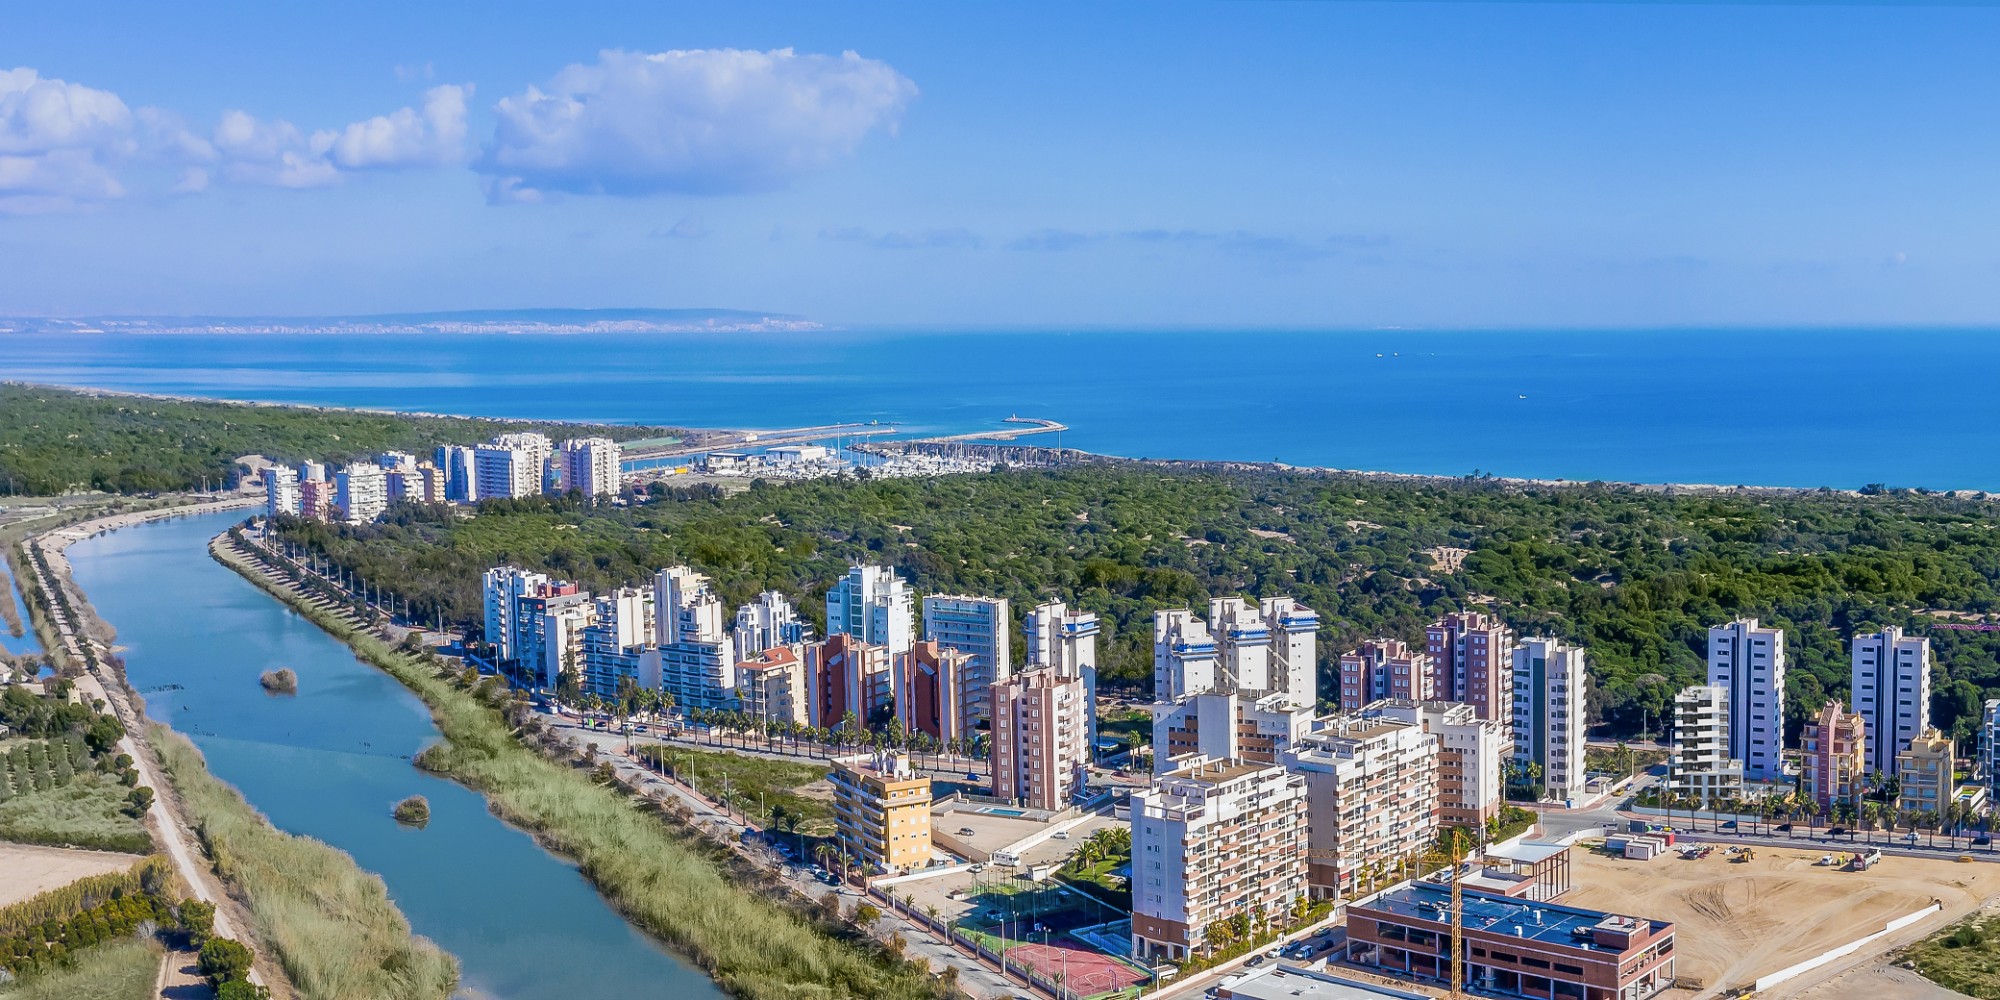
<point x="26" y="641"/>
<point x="331" y="761"/>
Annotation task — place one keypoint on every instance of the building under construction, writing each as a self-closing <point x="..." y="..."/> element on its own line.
<point x="1512" y="946"/>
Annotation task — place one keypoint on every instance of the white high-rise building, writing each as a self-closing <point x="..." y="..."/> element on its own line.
<point x="1892" y="692"/>
<point x="1294" y="649"/>
<point x="768" y="622"/>
<point x="588" y="465"/>
<point x="1067" y="641"/>
<point x="1184" y="656"/>
<point x="361" y="491"/>
<point x="538" y="449"/>
<point x="500" y="471"/>
<point x="695" y="660"/>
<point x="1242" y="645"/>
<point x="1549" y="713"/>
<point x="1989" y="747"/>
<point x="982" y="628"/>
<point x="504" y="586"/>
<point x="874" y="605"/>
<point x="1748" y="660"/>
<point x="615" y="642"/>
<point x="1700" y="768"/>
<point x="281" y="491"/>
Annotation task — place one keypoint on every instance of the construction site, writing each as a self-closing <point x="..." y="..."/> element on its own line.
<point x="1745" y="915"/>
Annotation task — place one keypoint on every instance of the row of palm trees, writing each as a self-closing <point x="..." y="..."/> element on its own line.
<point x="1865" y="813"/>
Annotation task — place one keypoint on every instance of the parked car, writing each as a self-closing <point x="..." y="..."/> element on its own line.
<point x="972" y="775"/>
<point x="965" y="831"/>
<point x="1838" y="831"/>
<point x="1783" y="828"/>
<point x="1982" y="840"/>
<point x="1060" y="835"/>
<point x="1260" y="960"/>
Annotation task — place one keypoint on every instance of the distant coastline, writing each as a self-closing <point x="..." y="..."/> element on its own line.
<point x="472" y="321"/>
<point x="1210" y="465"/>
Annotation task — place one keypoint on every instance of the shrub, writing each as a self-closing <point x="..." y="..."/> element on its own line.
<point x="224" y="959"/>
<point x="413" y="811"/>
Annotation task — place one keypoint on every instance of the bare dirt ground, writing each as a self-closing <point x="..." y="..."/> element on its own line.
<point x="27" y="871"/>
<point x="1876" y="981"/>
<point x="1737" y="921"/>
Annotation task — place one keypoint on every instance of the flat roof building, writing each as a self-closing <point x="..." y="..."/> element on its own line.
<point x="1836" y="766"/>
<point x="1512" y="946"/>
<point x="882" y="808"/>
<point x="1474" y="654"/>
<point x="1748" y="661"/>
<point x="1371" y="795"/>
<point x="1891" y="688"/>
<point x="1210" y="841"/>
<point x="1472" y="753"/>
<point x="1041" y="738"/>
<point x="1381" y="669"/>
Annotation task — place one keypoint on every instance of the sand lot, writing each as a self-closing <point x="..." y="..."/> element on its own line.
<point x="30" y="871"/>
<point x="1735" y="922"/>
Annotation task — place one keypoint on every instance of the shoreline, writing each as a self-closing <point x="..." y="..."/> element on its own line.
<point x="1194" y="464"/>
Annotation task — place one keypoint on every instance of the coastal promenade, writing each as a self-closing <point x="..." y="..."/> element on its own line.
<point x="77" y="629"/>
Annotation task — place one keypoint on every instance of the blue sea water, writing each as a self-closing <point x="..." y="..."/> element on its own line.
<point x="1838" y="408"/>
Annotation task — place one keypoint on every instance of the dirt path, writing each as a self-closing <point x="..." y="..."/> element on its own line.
<point x="166" y="820"/>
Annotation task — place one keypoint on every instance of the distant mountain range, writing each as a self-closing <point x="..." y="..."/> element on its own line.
<point x="459" y="321"/>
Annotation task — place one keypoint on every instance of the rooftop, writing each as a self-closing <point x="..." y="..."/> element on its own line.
<point x="1545" y="922"/>
<point x="1526" y="852"/>
<point x="1283" y="984"/>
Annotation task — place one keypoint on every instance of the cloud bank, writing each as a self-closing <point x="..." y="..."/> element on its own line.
<point x="66" y="145"/>
<point x="702" y="121"/>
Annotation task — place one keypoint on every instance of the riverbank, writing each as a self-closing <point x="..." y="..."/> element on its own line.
<point x="323" y="928"/>
<point x="752" y="941"/>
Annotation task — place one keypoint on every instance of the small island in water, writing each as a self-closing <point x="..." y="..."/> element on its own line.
<point x="413" y="811"/>
<point x="280" y="681"/>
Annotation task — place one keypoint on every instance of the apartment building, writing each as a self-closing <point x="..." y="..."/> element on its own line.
<point x="1372" y="795"/>
<point x="1924" y="773"/>
<point x="1294" y="649"/>
<point x="1242" y="645"/>
<point x="1836" y="763"/>
<point x="982" y="628"/>
<point x="1748" y="661"/>
<point x="1511" y="946"/>
<point x="460" y="466"/>
<point x="511" y="465"/>
<point x="1226" y="726"/>
<point x="873" y="605"/>
<point x="1184" y="656"/>
<point x="1041" y="738"/>
<point x="1700" y="769"/>
<point x="616" y="640"/>
<point x="1892" y="691"/>
<point x="772" y="686"/>
<point x="694" y="658"/>
<point x="933" y="683"/>
<point x="360" y="492"/>
<point x="1473" y="653"/>
<point x="882" y="812"/>
<point x="1989" y="747"/>
<point x="315" y="498"/>
<point x="1549" y="713"/>
<point x="768" y="621"/>
<point x="1385" y="669"/>
<point x="846" y="677"/>
<point x="1472" y="755"/>
<point x="281" y="491"/>
<point x="1209" y="841"/>
<point x="1057" y="637"/>
<point x="588" y="465"/>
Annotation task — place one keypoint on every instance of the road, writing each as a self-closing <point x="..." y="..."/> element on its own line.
<point x="164" y="819"/>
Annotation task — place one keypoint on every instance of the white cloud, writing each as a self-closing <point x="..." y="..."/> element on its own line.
<point x="701" y="121"/>
<point x="56" y="142"/>
<point x="65" y="145"/>
<point x="434" y="137"/>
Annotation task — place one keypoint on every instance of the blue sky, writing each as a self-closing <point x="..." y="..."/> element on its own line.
<point x="1125" y="164"/>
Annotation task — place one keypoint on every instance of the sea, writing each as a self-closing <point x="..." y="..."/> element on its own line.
<point x="1843" y="408"/>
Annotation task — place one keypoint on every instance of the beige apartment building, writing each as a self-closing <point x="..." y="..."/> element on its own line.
<point x="1371" y="794"/>
<point x="1209" y="841"/>
<point x="882" y="809"/>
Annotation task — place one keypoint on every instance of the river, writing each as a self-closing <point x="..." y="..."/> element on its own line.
<point x="331" y="761"/>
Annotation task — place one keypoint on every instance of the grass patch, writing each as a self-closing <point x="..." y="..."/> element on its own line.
<point x="750" y="937"/>
<point x="330" y="924"/>
<point x="777" y="781"/>
<point x="88" y="812"/>
<point x="1963" y="957"/>
<point x="120" y="970"/>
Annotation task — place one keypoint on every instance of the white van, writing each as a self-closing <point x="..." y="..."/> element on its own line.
<point x="1008" y="858"/>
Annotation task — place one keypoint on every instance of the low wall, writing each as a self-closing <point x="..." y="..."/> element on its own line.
<point x="1845" y="950"/>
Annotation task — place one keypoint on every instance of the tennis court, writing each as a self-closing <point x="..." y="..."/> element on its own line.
<point x="1032" y="922"/>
